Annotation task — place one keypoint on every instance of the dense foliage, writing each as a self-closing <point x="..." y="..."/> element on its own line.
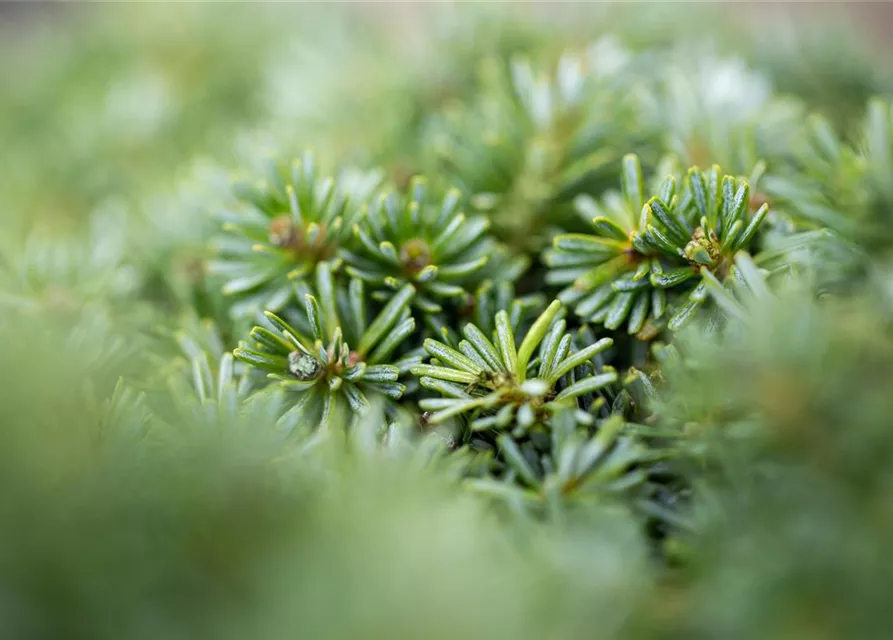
<point x="473" y="322"/>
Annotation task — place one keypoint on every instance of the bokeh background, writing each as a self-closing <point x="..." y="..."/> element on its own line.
<point x="117" y="101"/>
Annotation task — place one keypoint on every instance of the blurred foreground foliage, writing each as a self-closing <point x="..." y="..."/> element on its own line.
<point x="540" y="368"/>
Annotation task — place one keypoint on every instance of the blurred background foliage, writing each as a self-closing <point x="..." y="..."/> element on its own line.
<point x="136" y="511"/>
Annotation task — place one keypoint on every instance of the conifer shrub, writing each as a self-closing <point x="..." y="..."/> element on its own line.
<point x="519" y="324"/>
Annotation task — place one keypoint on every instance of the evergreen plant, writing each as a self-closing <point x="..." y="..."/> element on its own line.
<point x="497" y="322"/>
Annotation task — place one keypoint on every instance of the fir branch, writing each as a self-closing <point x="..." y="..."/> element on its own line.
<point x="531" y="139"/>
<point x="498" y="384"/>
<point x="290" y="222"/>
<point x="335" y="358"/>
<point x="577" y="468"/>
<point x="416" y="239"/>
<point x="636" y="266"/>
